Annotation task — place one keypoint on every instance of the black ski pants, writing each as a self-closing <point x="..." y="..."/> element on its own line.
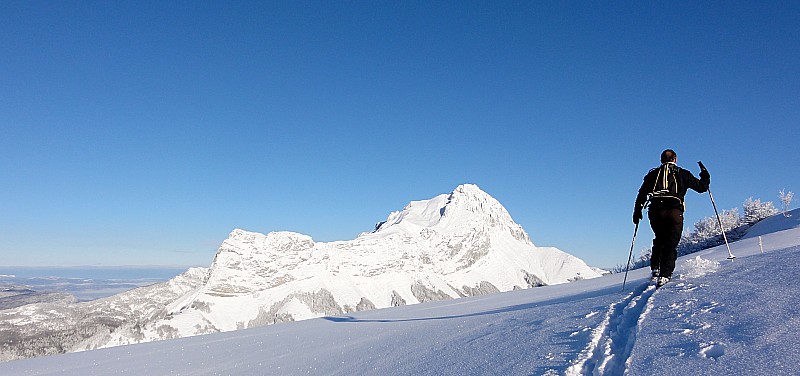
<point x="667" y="225"/>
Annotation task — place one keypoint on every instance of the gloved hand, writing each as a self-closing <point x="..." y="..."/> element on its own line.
<point x="637" y="216"/>
<point x="703" y="172"/>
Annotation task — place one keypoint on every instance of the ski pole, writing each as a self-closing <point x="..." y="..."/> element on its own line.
<point x="630" y="255"/>
<point x="722" y="229"/>
<point x="635" y="230"/>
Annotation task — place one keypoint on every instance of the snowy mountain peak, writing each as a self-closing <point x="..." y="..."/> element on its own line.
<point x="453" y="245"/>
<point x="467" y="209"/>
<point x="470" y="191"/>
<point x="470" y="198"/>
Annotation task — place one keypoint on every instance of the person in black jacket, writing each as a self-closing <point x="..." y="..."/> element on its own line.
<point x="666" y="187"/>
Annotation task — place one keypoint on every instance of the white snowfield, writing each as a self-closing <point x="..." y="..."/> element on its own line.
<point x="717" y="317"/>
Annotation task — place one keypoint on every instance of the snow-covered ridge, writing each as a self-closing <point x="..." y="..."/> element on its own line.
<point x="453" y="245"/>
<point x="459" y="244"/>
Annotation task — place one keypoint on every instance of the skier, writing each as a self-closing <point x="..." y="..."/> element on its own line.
<point x="666" y="187"/>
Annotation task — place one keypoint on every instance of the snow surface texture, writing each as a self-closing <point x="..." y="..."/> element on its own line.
<point x="454" y="245"/>
<point x="737" y="318"/>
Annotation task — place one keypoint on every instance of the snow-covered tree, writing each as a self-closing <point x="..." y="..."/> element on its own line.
<point x="707" y="232"/>
<point x="786" y="199"/>
<point x="755" y="210"/>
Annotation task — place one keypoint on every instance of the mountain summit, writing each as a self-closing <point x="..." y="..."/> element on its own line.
<point x="454" y="245"/>
<point x="467" y="208"/>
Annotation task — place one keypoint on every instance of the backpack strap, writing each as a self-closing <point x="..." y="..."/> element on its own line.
<point x="655" y="184"/>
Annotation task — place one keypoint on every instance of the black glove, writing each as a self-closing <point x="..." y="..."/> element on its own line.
<point x="703" y="172"/>
<point x="637" y="216"/>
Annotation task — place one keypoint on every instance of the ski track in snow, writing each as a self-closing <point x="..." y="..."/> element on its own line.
<point x="612" y="341"/>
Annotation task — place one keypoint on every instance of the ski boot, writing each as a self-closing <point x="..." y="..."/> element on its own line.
<point x="654" y="274"/>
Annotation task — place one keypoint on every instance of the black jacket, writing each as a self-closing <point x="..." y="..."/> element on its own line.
<point x="684" y="179"/>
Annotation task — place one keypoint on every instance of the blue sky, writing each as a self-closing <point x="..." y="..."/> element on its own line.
<point x="144" y="132"/>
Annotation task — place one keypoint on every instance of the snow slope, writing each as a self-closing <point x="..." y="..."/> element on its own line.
<point x="717" y="317"/>
<point x="774" y="224"/>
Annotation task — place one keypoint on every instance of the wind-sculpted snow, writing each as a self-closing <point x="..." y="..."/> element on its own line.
<point x="454" y="245"/>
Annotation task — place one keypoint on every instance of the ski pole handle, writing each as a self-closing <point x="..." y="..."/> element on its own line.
<point x="702" y="167"/>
